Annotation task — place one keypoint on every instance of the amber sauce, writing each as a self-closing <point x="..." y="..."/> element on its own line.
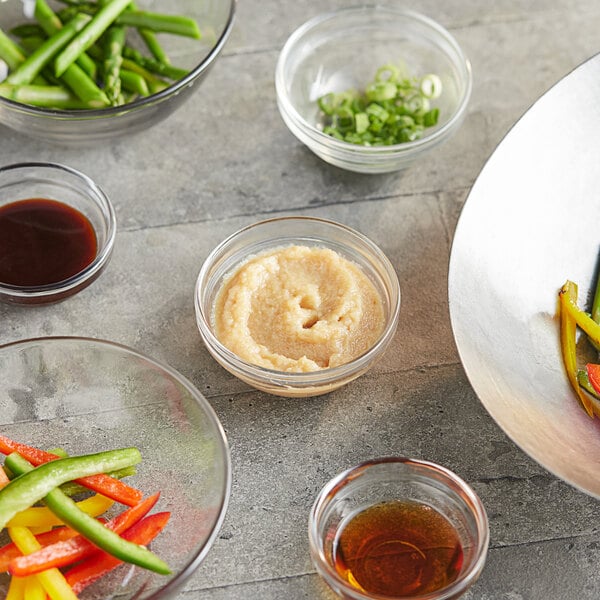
<point x="43" y="242"/>
<point x="398" y="549"/>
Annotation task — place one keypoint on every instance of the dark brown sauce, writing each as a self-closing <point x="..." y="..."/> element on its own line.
<point x="43" y="242"/>
<point x="398" y="549"/>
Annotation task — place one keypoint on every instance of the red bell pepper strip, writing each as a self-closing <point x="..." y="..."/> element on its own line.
<point x="10" y="551"/>
<point x="3" y="478"/>
<point x="67" y="552"/>
<point x="593" y="372"/>
<point x="103" y="484"/>
<point x="95" y="566"/>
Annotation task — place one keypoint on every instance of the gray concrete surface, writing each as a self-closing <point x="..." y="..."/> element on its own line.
<point x="226" y="160"/>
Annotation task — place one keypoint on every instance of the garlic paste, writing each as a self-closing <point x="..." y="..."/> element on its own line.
<point x="298" y="309"/>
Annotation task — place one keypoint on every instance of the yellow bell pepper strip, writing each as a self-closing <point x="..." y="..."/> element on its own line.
<point x="89" y="527"/>
<point x="34" y="590"/>
<point x="42" y="516"/>
<point x="101" y="483"/>
<point x="10" y="551"/>
<point x="22" y="492"/>
<point x="581" y="318"/>
<point x="568" y="346"/>
<point x="16" y="588"/>
<point x="52" y="580"/>
<point x="595" y="312"/>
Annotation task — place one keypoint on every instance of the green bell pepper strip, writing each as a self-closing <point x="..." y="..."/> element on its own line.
<point x="23" y="492"/>
<point x="61" y="505"/>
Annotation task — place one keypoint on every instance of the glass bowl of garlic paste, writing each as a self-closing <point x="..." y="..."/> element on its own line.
<point x="297" y="306"/>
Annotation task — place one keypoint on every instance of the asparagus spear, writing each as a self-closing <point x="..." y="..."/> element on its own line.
<point x="26" y="30"/>
<point x="36" y="61"/>
<point x="154" y="46"/>
<point x="152" y="42"/>
<point x="50" y="23"/>
<point x="84" y="87"/>
<point x="152" y="65"/>
<point x="32" y="43"/>
<point x="77" y="2"/>
<point x="95" y="28"/>
<point x="144" y="21"/>
<point x="134" y="82"/>
<point x="113" y="57"/>
<point x="177" y="24"/>
<point x="155" y="84"/>
<point x="10" y="53"/>
<point x="46" y="96"/>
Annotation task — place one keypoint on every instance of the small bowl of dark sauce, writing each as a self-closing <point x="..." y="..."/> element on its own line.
<point x="57" y="230"/>
<point x="398" y="528"/>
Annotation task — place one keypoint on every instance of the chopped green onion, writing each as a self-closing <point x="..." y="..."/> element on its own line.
<point x="393" y="109"/>
<point x="431" y="86"/>
<point x="382" y="90"/>
<point x="361" y="122"/>
<point x="430" y="118"/>
<point x="377" y="111"/>
<point x="387" y="73"/>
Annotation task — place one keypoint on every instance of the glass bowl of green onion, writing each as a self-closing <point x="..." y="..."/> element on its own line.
<point x="79" y="72"/>
<point x="372" y="88"/>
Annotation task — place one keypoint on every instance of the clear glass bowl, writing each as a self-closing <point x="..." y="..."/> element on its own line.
<point x="398" y="479"/>
<point x="82" y="127"/>
<point x="58" y="182"/>
<point x="87" y="395"/>
<point x="277" y="233"/>
<point x="341" y="50"/>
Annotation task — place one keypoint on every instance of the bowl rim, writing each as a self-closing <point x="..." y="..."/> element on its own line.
<point x="139" y="103"/>
<point x="102" y="201"/>
<point x="347" y="147"/>
<point x="192" y="565"/>
<point x="298" y="380"/>
<point x="339" y="481"/>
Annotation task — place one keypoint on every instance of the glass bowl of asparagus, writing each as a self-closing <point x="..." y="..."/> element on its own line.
<point x="78" y="71"/>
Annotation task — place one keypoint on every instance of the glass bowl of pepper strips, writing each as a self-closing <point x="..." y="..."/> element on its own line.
<point x="115" y="473"/>
<point x="79" y="72"/>
<point x="372" y="88"/>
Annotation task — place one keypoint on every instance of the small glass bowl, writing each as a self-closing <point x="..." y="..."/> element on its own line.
<point x="398" y="479"/>
<point x="58" y="182"/>
<point x="278" y="233"/>
<point x="341" y="50"/>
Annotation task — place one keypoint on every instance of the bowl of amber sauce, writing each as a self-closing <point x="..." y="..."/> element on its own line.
<point x="398" y="528"/>
<point x="297" y="306"/>
<point x="57" y="230"/>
